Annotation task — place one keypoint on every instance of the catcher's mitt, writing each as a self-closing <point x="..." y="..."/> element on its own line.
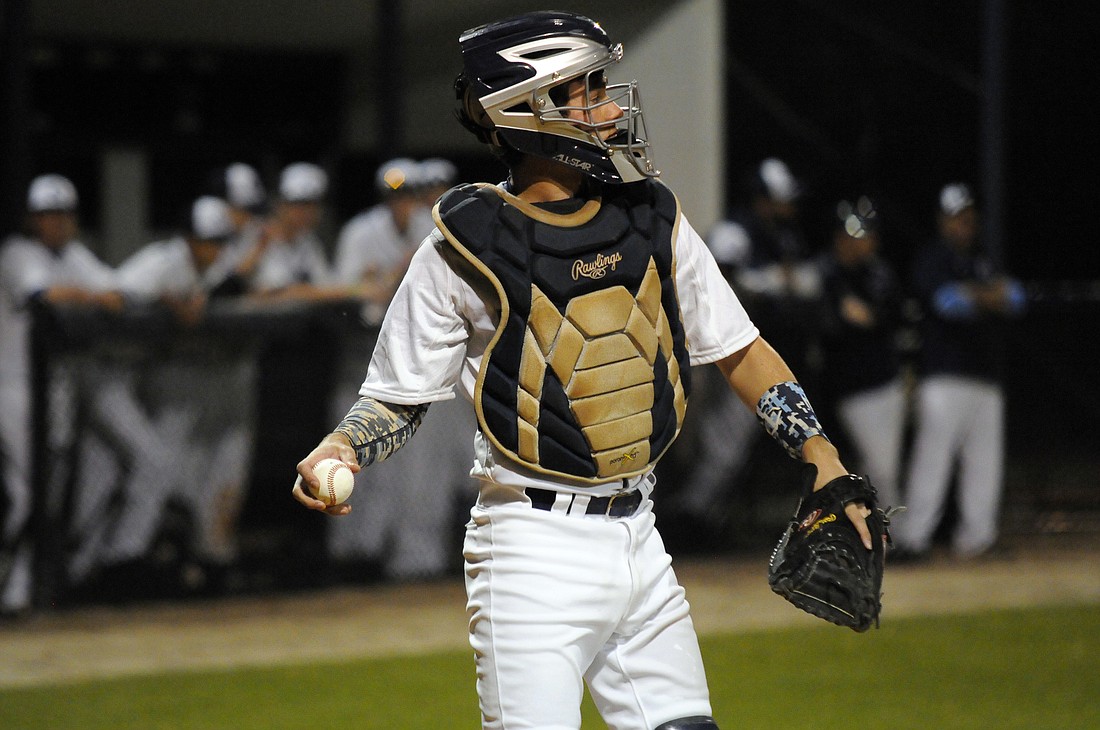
<point x="820" y="564"/>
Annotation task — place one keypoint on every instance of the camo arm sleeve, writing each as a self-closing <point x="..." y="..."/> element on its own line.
<point x="377" y="429"/>
<point x="787" y="416"/>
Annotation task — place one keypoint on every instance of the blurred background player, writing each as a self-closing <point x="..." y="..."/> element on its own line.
<point x="294" y="263"/>
<point x="763" y="253"/>
<point x="182" y="271"/>
<point x="48" y="265"/>
<point x="240" y="186"/>
<point x="200" y="402"/>
<point x="406" y="507"/>
<point x="374" y="247"/>
<point x="437" y="176"/>
<point x="763" y="248"/>
<point x="244" y="192"/>
<point x="968" y="304"/>
<point x="861" y="370"/>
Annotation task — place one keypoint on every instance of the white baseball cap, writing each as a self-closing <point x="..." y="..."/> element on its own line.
<point x="955" y="198"/>
<point x="210" y="219"/>
<point x="303" y="182"/>
<point x="780" y="184"/>
<point x="400" y="173"/>
<point x="243" y="188"/>
<point x="51" y="192"/>
<point x="438" y="171"/>
<point x="730" y="244"/>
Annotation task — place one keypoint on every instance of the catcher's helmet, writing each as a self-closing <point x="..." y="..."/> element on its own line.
<point x="510" y="68"/>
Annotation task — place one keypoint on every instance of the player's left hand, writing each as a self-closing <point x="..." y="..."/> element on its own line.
<point x="819" y="564"/>
<point x="820" y="452"/>
<point x="333" y="446"/>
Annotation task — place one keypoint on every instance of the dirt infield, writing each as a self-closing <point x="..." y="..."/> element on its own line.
<point x="727" y="594"/>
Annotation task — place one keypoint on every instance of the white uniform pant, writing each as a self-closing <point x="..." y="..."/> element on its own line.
<point x="874" y="420"/>
<point x="556" y="599"/>
<point x="16" y="443"/>
<point x="15" y="448"/>
<point x="959" y="420"/>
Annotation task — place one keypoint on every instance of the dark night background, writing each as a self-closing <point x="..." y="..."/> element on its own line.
<point x="857" y="96"/>
<point x="886" y="98"/>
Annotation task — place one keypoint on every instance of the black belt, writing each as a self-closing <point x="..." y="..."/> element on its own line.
<point x="624" y="504"/>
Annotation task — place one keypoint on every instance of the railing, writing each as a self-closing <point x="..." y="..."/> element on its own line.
<point x="146" y="430"/>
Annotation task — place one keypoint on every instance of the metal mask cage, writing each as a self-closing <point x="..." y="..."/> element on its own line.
<point x="630" y="138"/>
<point x="529" y="105"/>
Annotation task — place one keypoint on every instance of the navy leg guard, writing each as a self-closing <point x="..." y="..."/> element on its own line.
<point x="698" y="722"/>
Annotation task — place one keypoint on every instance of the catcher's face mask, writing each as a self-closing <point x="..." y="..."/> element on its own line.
<point x="517" y="70"/>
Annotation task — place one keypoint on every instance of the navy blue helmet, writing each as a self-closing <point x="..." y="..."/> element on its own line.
<point x="506" y="94"/>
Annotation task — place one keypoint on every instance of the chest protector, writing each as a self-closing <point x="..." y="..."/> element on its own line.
<point x="587" y="374"/>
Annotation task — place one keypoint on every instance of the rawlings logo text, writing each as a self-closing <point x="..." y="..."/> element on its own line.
<point x="597" y="268"/>
<point x="823" y="521"/>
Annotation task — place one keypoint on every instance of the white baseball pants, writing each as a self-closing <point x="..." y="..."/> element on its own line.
<point x="959" y="419"/>
<point x="556" y="599"/>
<point x="874" y="420"/>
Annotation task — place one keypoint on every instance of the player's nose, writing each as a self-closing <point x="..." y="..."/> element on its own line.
<point x="611" y="111"/>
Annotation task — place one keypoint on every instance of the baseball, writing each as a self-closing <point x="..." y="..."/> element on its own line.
<point x="336" y="481"/>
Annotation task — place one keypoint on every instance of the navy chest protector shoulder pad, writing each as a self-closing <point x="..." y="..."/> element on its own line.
<point x="587" y="375"/>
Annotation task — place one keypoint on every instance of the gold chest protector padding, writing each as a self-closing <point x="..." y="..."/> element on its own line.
<point x="585" y="377"/>
<point x="602" y="350"/>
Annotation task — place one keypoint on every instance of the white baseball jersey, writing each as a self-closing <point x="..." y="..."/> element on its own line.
<point x="371" y="241"/>
<point x="438" y="328"/>
<point x="236" y="249"/>
<point x="164" y="267"/>
<point x="28" y="268"/>
<point x="299" y="261"/>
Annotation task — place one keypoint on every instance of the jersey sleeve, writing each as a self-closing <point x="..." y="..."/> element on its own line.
<point x="354" y="239"/>
<point x="89" y="271"/>
<point x="285" y="263"/>
<point x="29" y="269"/>
<point x="140" y="276"/>
<point x="715" y="322"/>
<point x="421" y="347"/>
<point x="22" y="271"/>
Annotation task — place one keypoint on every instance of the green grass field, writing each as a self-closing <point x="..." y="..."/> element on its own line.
<point x="1032" y="669"/>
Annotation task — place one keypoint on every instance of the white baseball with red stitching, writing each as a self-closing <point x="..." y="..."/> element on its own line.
<point x="336" y="481"/>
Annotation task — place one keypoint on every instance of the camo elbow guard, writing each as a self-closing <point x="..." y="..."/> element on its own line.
<point x="788" y="417"/>
<point x="377" y="429"/>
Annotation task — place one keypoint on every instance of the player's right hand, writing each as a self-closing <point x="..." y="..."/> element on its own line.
<point x="333" y="446"/>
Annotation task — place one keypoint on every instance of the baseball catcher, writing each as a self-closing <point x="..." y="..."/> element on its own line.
<point x="581" y="298"/>
<point x="821" y="564"/>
